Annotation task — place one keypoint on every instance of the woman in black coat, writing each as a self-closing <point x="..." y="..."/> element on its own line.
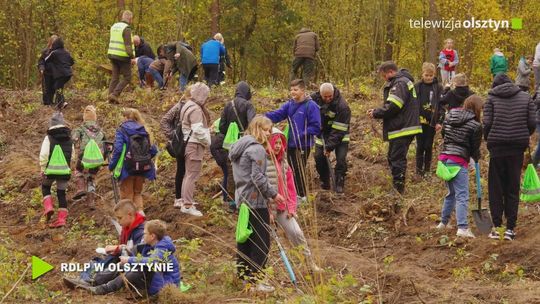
<point x="58" y="64"/>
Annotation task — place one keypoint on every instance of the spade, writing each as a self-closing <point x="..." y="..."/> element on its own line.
<point x="481" y="217"/>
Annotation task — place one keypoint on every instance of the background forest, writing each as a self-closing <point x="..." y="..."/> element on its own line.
<point x="355" y="35"/>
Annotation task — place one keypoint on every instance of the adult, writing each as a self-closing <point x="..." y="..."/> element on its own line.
<point x="211" y="51"/>
<point x="224" y="60"/>
<point x="143" y="66"/>
<point x="509" y="120"/>
<point x="401" y="118"/>
<point x="306" y="46"/>
<point x="523" y="73"/>
<point x="304" y="119"/>
<point x="498" y="63"/>
<point x="160" y="67"/>
<point x="536" y="67"/>
<point x="58" y="64"/>
<point x="47" y="81"/>
<point x="183" y="61"/>
<point x="120" y="53"/>
<point x="142" y="48"/>
<point x="448" y="60"/>
<point x="335" y="117"/>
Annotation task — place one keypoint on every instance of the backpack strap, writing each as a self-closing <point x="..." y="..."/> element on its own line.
<point x="237" y="116"/>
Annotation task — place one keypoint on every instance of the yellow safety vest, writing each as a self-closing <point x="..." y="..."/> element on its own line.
<point x="116" y="43"/>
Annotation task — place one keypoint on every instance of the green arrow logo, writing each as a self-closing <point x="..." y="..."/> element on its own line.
<point x="39" y="267"/>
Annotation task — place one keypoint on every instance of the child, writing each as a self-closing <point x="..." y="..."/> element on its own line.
<point x="448" y="60"/>
<point x="132" y="157"/>
<point x="55" y="167"/>
<point x="462" y="134"/>
<point x="431" y="115"/>
<point x="160" y="67"/>
<point x="82" y="136"/>
<point x="498" y="63"/>
<point x="523" y="72"/>
<point x="280" y="176"/>
<point x="454" y="97"/>
<point x="158" y="249"/>
<point x="248" y="158"/>
<point x="131" y="235"/>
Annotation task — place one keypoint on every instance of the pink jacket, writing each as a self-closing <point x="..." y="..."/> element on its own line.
<point x="280" y="174"/>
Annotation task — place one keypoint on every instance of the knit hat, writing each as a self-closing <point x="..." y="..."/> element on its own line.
<point x="89" y="113"/>
<point x="57" y="119"/>
<point x="199" y="93"/>
<point x="501" y="79"/>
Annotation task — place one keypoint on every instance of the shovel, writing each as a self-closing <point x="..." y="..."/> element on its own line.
<point x="481" y="217"/>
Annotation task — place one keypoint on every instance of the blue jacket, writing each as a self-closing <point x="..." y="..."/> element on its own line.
<point x="304" y="122"/>
<point x="211" y="50"/>
<point x="131" y="128"/>
<point x="163" y="252"/>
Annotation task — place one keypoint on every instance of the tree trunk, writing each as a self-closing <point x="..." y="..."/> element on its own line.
<point x="214" y="13"/>
<point x="250" y="28"/>
<point x="432" y="34"/>
<point x="390" y="27"/>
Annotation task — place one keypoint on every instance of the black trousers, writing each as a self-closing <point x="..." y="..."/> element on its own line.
<point x="322" y="165"/>
<point x="297" y="158"/>
<point x="254" y="252"/>
<point x="424" y="149"/>
<point x="503" y="185"/>
<point x="211" y="74"/>
<point x="308" y="69"/>
<point x="51" y="86"/>
<point x="179" y="178"/>
<point x="397" y="159"/>
<point x="140" y="279"/>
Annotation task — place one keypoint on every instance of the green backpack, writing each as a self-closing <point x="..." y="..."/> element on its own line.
<point x="243" y="231"/>
<point x="530" y="189"/>
<point x="286" y="132"/>
<point x="57" y="163"/>
<point x="92" y="156"/>
<point x="232" y="136"/>
<point x="447" y="173"/>
<point x="118" y="169"/>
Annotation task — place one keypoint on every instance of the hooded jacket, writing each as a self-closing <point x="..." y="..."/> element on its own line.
<point x="400" y="111"/>
<point x="211" y="51"/>
<point x="509" y="118"/>
<point x="498" y="64"/>
<point x="127" y="129"/>
<point x="462" y="134"/>
<point x="162" y="252"/>
<point x="242" y="105"/>
<point x="335" y="117"/>
<point x="280" y="174"/>
<point x="195" y="118"/>
<point x="59" y="61"/>
<point x="454" y="98"/>
<point x="144" y="49"/>
<point x="429" y="96"/>
<point x="523" y="72"/>
<point x="306" y="44"/>
<point x="56" y="135"/>
<point x="248" y="159"/>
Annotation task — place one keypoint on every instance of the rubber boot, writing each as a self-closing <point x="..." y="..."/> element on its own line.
<point x="48" y="207"/>
<point x="61" y="220"/>
<point x="81" y="187"/>
<point x="340" y="183"/>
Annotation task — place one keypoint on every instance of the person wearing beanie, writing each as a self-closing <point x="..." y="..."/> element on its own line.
<point x="455" y="95"/>
<point x="509" y="120"/>
<point x="54" y="161"/>
<point x="89" y="130"/>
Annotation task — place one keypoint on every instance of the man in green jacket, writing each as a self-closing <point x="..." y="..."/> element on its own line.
<point x="498" y="63"/>
<point x="121" y="52"/>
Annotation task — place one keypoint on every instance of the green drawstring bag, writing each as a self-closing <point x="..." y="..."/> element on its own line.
<point x="57" y="163"/>
<point x="233" y="133"/>
<point x="118" y="169"/>
<point x="216" y="125"/>
<point x="92" y="156"/>
<point x="447" y="173"/>
<point x="243" y="231"/>
<point x="286" y="132"/>
<point x="530" y="189"/>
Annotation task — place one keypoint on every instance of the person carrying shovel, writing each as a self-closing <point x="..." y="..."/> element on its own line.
<point x="462" y="134"/>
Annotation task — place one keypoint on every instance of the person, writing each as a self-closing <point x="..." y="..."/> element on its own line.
<point x="306" y="46"/>
<point x="462" y="135"/>
<point x="431" y="115"/>
<point x="195" y="121"/>
<point x="169" y="122"/>
<point x="81" y="136"/>
<point x="536" y="67"/>
<point x="211" y="51"/>
<point x="158" y="248"/>
<point x="523" y="72"/>
<point x="58" y="64"/>
<point x="336" y="117"/>
<point x="143" y="68"/>
<point x="498" y="63"/>
<point x="221" y="157"/>
<point x="224" y="60"/>
<point x="121" y="52"/>
<point x="448" y="61"/>
<point x="181" y="55"/>
<point x="54" y="160"/>
<point x="47" y="81"/>
<point x="142" y="48"/>
<point x="248" y="158"/>
<point x="304" y="119"/>
<point x="280" y="176"/>
<point x="509" y="120"/>
<point x="401" y="118"/>
<point x="131" y="235"/>
<point x="454" y="97"/>
<point x="132" y="156"/>
<point x="160" y="67"/>
<point x="241" y="111"/>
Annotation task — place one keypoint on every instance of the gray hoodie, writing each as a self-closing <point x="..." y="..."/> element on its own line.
<point x="248" y="159"/>
<point x="523" y="72"/>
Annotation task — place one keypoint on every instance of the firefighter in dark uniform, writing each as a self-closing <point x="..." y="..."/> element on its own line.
<point x="401" y="118"/>
<point x="335" y="118"/>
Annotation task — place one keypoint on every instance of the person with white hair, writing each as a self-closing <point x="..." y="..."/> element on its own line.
<point x="335" y="118"/>
<point x="121" y="52"/>
<point x="224" y="60"/>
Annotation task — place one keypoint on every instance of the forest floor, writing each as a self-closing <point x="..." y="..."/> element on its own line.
<point x="375" y="246"/>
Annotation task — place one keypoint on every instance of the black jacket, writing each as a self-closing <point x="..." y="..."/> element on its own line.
<point x="462" y="134"/>
<point x="335" y="119"/>
<point x="243" y="107"/>
<point x="144" y="49"/>
<point x="429" y="97"/>
<point x="41" y="61"/>
<point x="509" y="120"/>
<point x="400" y="111"/>
<point x="61" y="136"/>
<point x="455" y="98"/>
<point x="59" y="61"/>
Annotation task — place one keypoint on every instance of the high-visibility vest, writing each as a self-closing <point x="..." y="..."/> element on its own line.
<point x="116" y="42"/>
